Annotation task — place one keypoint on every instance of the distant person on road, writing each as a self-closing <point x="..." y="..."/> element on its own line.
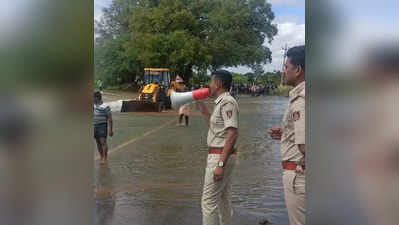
<point x="102" y="121"/>
<point x="100" y="85"/>
<point x="184" y="111"/>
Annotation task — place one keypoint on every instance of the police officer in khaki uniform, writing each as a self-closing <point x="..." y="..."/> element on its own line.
<point x="292" y="136"/>
<point x="222" y="136"/>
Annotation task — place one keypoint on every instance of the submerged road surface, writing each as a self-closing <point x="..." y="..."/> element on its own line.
<point x="155" y="169"/>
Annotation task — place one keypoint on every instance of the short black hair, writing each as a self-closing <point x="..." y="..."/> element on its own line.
<point x="97" y="95"/>
<point x="224" y="76"/>
<point x="297" y="56"/>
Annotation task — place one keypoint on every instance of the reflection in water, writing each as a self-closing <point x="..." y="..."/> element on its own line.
<point x="104" y="198"/>
<point x="158" y="178"/>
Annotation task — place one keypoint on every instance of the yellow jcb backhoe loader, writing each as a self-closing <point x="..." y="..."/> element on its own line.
<point x="154" y="95"/>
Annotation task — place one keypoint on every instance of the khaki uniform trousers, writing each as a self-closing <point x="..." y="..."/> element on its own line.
<point x="216" y="196"/>
<point x="294" y="193"/>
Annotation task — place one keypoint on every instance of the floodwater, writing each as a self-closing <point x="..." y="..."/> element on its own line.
<point x="155" y="169"/>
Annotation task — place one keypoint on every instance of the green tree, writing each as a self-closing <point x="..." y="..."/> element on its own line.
<point x="111" y="62"/>
<point x="183" y="35"/>
<point x="272" y="77"/>
<point x="250" y="77"/>
<point x="115" y="20"/>
<point x="199" y="77"/>
<point x="202" y="34"/>
<point x="112" y="33"/>
<point x="239" y="78"/>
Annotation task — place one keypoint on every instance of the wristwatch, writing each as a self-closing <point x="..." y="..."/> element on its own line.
<point x="221" y="164"/>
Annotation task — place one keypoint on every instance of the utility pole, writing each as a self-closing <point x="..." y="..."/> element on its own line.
<point x="285" y="48"/>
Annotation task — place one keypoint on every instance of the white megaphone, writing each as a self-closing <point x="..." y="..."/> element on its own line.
<point x="180" y="98"/>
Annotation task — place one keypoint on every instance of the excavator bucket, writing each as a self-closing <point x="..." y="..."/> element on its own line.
<point x="140" y="106"/>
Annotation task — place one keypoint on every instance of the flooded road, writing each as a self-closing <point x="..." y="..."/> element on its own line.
<point x="155" y="169"/>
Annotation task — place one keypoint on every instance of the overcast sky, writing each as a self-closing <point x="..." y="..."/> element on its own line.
<point x="290" y="20"/>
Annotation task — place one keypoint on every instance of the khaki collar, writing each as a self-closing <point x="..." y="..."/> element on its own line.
<point x="297" y="90"/>
<point x="218" y="99"/>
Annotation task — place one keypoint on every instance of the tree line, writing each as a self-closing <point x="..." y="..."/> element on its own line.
<point x="190" y="37"/>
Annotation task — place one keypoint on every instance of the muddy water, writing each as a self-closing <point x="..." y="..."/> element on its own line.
<point x="155" y="169"/>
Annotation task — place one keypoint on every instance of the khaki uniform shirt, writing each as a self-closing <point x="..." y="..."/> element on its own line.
<point x="225" y="115"/>
<point x="293" y="125"/>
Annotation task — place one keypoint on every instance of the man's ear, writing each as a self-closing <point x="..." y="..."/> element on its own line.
<point x="298" y="70"/>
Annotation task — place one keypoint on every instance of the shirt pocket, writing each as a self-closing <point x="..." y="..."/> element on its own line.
<point x="216" y="119"/>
